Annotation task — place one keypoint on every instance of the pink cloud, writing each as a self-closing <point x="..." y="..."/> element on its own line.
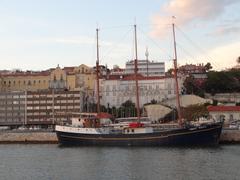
<point x="186" y="12"/>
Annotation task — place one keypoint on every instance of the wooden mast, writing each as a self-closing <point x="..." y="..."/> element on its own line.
<point x="175" y="77"/>
<point x="97" y="72"/>
<point x="136" y="73"/>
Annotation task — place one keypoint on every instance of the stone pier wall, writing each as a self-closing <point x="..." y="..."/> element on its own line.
<point x="28" y="137"/>
<point x="230" y="136"/>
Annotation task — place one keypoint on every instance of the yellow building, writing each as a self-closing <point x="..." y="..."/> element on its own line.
<point x="58" y="79"/>
<point x="20" y="81"/>
<point x="71" y="78"/>
<point x="85" y="78"/>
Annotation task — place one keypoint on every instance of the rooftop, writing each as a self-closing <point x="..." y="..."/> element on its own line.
<point x="223" y="108"/>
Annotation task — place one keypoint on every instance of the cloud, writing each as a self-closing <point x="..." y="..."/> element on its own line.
<point x="78" y="40"/>
<point x="66" y="40"/>
<point x="188" y="11"/>
<point x="224" y="56"/>
<point x="225" y="31"/>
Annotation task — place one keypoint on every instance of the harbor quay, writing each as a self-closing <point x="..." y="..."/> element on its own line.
<point x="49" y="137"/>
<point x="31" y="137"/>
<point x="230" y="136"/>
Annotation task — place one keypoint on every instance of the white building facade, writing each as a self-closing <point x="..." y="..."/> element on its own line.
<point x="115" y="91"/>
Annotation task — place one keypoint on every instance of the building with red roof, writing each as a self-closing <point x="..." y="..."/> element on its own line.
<point x="228" y="113"/>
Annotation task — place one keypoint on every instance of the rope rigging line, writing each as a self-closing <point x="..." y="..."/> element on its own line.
<point x="198" y="48"/>
<point x="156" y="44"/>
<point x="116" y="45"/>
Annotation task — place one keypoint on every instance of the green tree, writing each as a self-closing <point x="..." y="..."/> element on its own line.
<point x="153" y="101"/>
<point x="223" y="81"/>
<point x="238" y="60"/>
<point x="208" y="66"/>
<point x="128" y="103"/>
<point x="193" y="112"/>
<point x="193" y="87"/>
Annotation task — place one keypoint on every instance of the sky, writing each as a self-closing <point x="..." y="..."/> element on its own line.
<point x="38" y="35"/>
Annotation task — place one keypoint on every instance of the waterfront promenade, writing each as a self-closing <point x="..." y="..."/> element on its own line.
<point x="47" y="137"/>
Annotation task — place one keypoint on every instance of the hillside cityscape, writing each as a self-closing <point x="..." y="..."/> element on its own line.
<point x="41" y="96"/>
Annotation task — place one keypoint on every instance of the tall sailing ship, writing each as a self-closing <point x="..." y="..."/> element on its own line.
<point x="95" y="129"/>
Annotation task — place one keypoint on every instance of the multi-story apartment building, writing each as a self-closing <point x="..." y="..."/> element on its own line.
<point x="12" y="108"/>
<point x="39" y="107"/>
<point x="146" y="68"/>
<point x="52" y="105"/>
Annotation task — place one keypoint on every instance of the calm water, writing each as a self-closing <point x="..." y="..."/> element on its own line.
<point x="27" y="162"/>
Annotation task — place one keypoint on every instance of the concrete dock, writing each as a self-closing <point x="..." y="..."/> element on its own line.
<point x="48" y="137"/>
<point x="230" y="136"/>
<point x="39" y="137"/>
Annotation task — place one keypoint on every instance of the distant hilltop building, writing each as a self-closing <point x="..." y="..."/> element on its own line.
<point x="192" y="69"/>
<point x="198" y="71"/>
<point x="146" y="68"/>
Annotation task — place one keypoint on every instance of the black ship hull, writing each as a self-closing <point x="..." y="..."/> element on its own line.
<point x="208" y="135"/>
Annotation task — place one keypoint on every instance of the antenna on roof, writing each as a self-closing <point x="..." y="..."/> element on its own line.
<point x="147" y="54"/>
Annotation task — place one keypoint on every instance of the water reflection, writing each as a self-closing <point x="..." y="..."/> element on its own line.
<point x="57" y="162"/>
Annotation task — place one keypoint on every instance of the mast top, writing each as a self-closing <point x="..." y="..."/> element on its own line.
<point x="146" y="53"/>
